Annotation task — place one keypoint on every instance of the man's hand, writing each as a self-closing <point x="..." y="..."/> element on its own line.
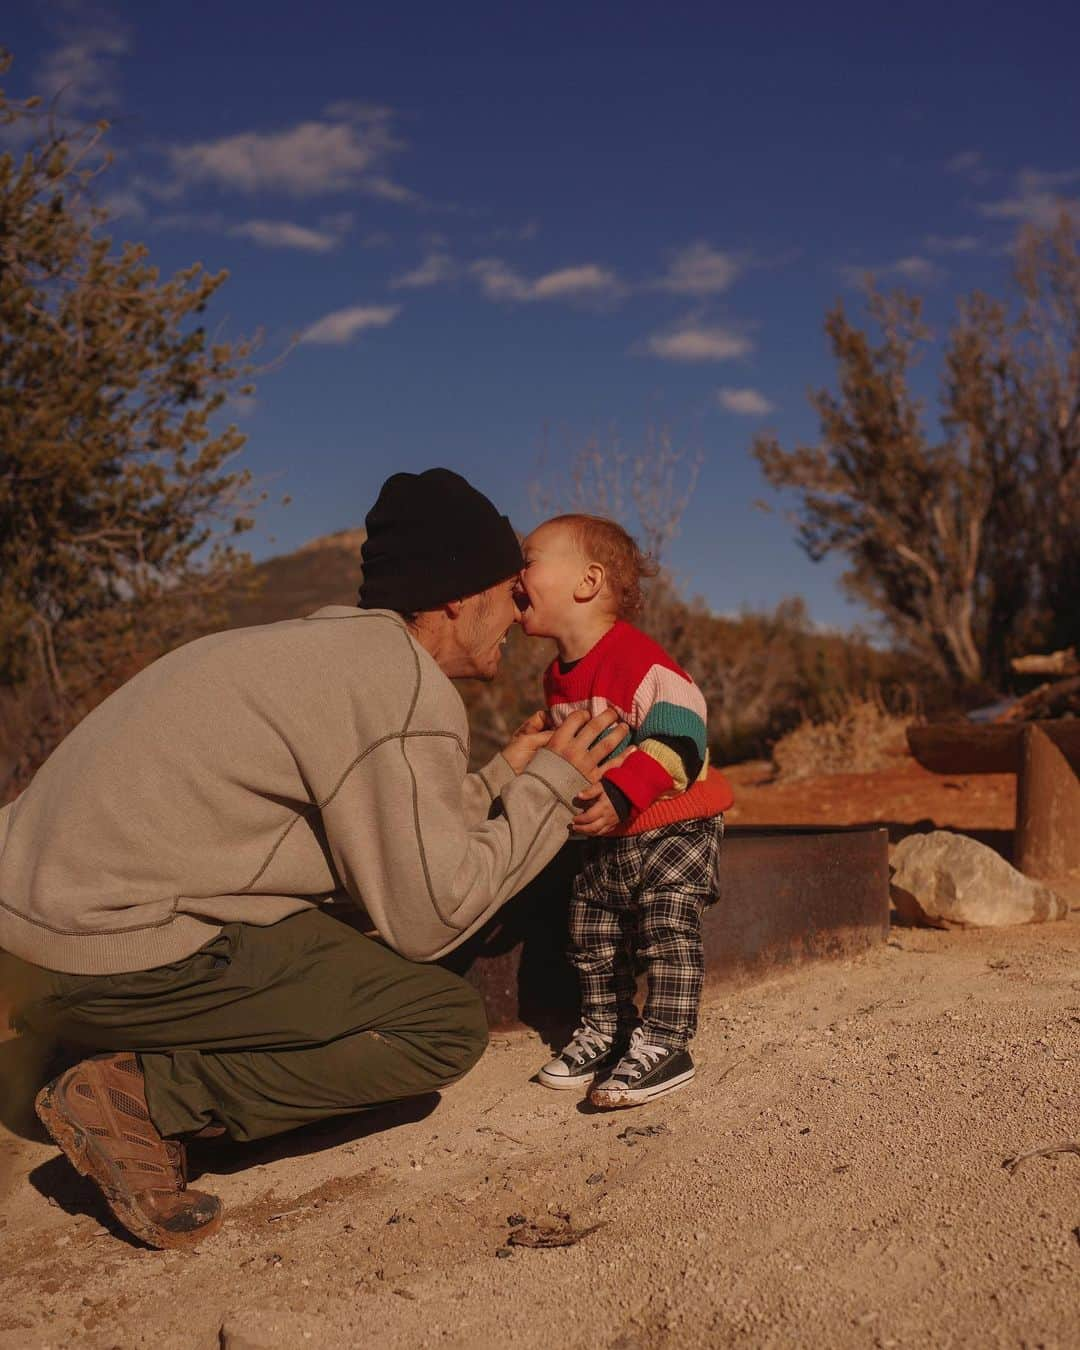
<point x="532" y="735"/>
<point x="577" y="741"/>
<point x="599" y="818"/>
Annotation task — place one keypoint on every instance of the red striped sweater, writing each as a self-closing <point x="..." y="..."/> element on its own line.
<point x="666" y="777"/>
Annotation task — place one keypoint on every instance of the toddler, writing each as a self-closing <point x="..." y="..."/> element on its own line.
<point x="653" y="823"/>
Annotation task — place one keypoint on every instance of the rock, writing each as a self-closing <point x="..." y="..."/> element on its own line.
<point x="270" y="1326"/>
<point x="946" y="880"/>
<point x="238" y="1333"/>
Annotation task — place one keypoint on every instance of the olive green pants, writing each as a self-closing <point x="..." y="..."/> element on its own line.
<point x="265" y="1029"/>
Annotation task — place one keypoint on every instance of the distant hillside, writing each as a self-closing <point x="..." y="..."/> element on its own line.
<point x="325" y="571"/>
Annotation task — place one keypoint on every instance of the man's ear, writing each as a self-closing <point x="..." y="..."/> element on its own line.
<point x="591" y="583"/>
<point x="453" y="607"/>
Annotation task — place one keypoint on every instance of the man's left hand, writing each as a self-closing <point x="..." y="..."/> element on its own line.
<point x="533" y="734"/>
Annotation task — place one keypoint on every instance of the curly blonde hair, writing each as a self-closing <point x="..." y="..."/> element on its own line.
<point x="625" y="565"/>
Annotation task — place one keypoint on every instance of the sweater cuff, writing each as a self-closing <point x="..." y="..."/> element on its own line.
<point x="642" y="778"/>
<point x="560" y="777"/>
<point x="495" y="775"/>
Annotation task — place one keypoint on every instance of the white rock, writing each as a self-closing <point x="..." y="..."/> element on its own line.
<point x="946" y="880"/>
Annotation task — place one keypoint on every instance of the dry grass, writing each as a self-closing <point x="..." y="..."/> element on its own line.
<point x="862" y="736"/>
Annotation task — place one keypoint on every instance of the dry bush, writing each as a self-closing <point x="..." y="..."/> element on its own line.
<point x="861" y="737"/>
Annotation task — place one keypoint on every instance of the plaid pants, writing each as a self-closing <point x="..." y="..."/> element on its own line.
<point x="642" y="896"/>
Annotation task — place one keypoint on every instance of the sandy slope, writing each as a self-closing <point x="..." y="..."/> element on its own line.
<point x="833" y="1178"/>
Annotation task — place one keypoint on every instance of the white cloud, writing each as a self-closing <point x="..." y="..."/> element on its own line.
<point x="914" y="269"/>
<point x="911" y="269"/>
<point x="699" y="269"/>
<point x="242" y="405"/>
<point x="969" y="164"/>
<point x="124" y="205"/>
<point x="343" y="324"/>
<point x="286" y="234"/>
<point x="357" y="110"/>
<point x="504" y="234"/>
<point x="437" y="269"/>
<point x="326" y="235"/>
<point x="957" y="243"/>
<point x="499" y="281"/>
<point x="745" y="402"/>
<point x="305" y="160"/>
<point x="80" y="71"/>
<point x="1036" y="198"/>
<point x="573" y="282"/>
<point x="699" y="342"/>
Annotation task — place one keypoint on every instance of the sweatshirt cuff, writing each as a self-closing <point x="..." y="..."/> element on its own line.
<point x="624" y="807"/>
<point x="560" y="777"/>
<point x="495" y="775"/>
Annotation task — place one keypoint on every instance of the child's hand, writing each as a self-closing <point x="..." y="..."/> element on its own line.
<point x="600" y="818"/>
<point x="533" y="734"/>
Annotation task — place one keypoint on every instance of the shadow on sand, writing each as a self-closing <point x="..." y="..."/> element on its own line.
<point x="63" y="1187"/>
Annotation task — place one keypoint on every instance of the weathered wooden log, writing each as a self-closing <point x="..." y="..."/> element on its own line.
<point x="1047" y="809"/>
<point x="1057" y="699"/>
<point x="964" y="747"/>
<point x="1064" y="662"/>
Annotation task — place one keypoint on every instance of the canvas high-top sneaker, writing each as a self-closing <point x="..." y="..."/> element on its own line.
<point x="644" y="1073"/>
<point x="587" y="1053"/>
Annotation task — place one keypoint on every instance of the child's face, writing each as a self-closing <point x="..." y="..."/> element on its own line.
<point x="553" y="568"/>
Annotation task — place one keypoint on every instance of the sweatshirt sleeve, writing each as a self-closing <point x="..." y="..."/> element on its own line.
<point x="484" y="787"/>
<point x="405" y="839"/>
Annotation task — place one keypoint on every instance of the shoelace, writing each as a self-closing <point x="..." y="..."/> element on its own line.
<point x="640" y="1057"/>
<point x="586" y="1042"/>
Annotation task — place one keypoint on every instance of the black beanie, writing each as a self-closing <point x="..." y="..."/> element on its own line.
<point x="432" y="537"/>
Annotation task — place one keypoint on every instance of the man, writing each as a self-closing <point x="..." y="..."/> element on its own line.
<point x="160" y="879"/>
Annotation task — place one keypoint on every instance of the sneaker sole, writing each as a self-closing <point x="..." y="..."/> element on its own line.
<point x="87" y="1159"/>
<point x="561" y="1083"/>
<point x="608" y="1099"/>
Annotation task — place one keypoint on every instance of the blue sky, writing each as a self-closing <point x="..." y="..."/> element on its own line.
<point x="500" y="228"/>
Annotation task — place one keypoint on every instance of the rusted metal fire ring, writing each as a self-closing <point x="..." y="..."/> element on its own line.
<point x="787" y="895"/>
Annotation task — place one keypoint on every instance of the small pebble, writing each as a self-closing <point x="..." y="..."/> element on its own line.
<point x="503" y="1252"/>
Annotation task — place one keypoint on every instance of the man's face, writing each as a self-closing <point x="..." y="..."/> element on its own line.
<point x="553" y="567"/>
<point x="486" y="620"/>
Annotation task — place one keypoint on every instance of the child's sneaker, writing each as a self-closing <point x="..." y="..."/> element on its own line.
<point x="587" y="1053"/>
<point x="644" y="1073"/>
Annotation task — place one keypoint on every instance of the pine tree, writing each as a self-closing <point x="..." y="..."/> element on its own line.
<point x="118" y="499"/>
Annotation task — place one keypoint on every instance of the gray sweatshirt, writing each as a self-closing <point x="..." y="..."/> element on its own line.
<point x="252" y="774"/>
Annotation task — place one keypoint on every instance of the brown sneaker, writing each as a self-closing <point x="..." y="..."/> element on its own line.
<point x="97" y="1114"/>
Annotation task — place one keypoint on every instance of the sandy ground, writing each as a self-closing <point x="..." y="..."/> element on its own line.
<point x="833" y="1177"/>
